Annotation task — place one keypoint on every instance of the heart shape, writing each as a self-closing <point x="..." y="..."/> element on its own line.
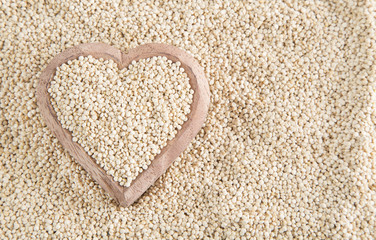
<point x="125" y="196"/>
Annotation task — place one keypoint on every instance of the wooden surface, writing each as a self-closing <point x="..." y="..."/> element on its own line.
<point x="125" y="196"/>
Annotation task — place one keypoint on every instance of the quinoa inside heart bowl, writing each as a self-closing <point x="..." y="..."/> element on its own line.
<point x="121" y="117"/>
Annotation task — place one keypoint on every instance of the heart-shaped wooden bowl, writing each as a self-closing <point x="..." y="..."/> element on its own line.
<point x="125" y="196"/>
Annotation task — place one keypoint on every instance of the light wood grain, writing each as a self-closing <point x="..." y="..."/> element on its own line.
<point x="125" y="196"/>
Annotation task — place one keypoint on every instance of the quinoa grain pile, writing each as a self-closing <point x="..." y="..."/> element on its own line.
<point x="288" y="148"/>
<point x="122" y="118"/>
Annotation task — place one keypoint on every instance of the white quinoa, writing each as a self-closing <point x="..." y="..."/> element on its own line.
<point x="122" y="118"/>
<point x="287" y="151"/>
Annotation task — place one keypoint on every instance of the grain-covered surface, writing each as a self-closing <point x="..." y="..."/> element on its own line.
<point x="199" y="107"/>
<point x="287" y="150"/>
